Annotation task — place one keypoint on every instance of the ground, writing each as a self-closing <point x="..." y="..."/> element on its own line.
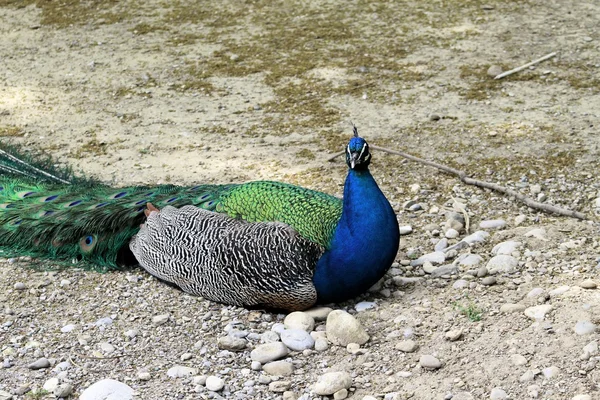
<point x="182" y="92"/>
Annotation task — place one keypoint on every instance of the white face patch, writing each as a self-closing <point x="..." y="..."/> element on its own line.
<point x="362" y="151"/>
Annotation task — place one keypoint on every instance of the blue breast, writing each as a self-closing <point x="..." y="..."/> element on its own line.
<point x="364" y="244"/>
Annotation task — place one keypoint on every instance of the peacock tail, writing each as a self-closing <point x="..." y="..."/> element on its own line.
<point x="49" y="212"/>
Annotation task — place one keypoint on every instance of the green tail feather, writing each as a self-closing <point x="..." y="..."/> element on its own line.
<point x="42" y="216"/>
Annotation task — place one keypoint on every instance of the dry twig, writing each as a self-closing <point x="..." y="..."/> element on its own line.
<point x="522" y="67"/>
<point x="483" y="184"/>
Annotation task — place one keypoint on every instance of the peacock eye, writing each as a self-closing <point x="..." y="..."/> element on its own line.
<point x="89" y="240"/>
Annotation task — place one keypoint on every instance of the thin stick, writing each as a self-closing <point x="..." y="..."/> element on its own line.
<point x="522" y="67"/>
<point x="475" y="182"/>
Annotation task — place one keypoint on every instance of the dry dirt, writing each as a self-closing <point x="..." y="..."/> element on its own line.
<point x="184" y="92"/>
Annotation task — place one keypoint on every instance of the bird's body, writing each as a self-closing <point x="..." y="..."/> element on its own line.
<point x="256" y="244"/>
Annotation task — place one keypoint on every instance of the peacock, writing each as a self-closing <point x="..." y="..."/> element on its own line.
<point x="260" y="244"/>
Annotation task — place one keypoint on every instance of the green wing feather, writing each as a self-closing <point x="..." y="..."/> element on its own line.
<point x="42" y="216"/>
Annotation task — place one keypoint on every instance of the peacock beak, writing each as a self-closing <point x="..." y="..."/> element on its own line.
<point x="353" y="157"/>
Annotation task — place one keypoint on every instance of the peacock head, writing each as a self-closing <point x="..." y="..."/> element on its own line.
<point x="358" y="156"/>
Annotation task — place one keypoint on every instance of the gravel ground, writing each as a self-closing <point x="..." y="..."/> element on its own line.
<point x="488" y="299"/>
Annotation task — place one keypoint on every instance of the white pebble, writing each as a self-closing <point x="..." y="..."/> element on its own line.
<point x="584" y="328"/>
<point x="180" y="371"/>
<point x="405" y="230"/>
<point x="429" y="362"/>
<point x="331" y="382"/>
<point x="451" y="233"/>
<point x="498" y="394"/>
<point x="537" y="313"/>
<point x="107" y="389"/>
<point x="297" y="339"/>
<point x="365" y="305"/>
<point x="342" y="328"/>
<point x="551" y="372"/>
<point x="214" y="383"/>
<point x="299" y="320"/>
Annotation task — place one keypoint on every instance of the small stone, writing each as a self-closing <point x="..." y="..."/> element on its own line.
<point x="340" y="394"/>
<point x="342" y="328"/>
<point x="519" y="219"/>
<point x="451" y="233"/>
<point x="488" y="281"/>
<point x="297" y="339"/>
<point x="67" y="328"/>
<point x="460" y="284"/>
<point x="107" y="389"/>
<point x="493" y="70"/>
<point x="538" y="233"/>
<point x="299" y="320"/>
<point x="180" y="371"/>
<point x="482" y="272"/>
<point x="498" y="394"/>
<point x="535" y="292"/>
<point x="106" y="347"/>
<point x="585" y="328"/>
<point x="40" y="363"/>
<point x="5" y="395"/>
<point x="214" y="383"/>
<point x="434" y="117"/>
<point x="62" y="391"/>
<point x="321" y="344"/>
<point x="527" y="376"/>
<point x="551" y="372"/>
<point x="492" y="224"/>
<point x="331" y="382"/>
<point x="591" y="348"/>
<point x="51" y="384"/>
<point x="104" y="322"/>
<point x="454" y="335"/>
<point x="471" y="260"/>
<point x="502" y="264"/>
<point x="353" y="348"/>
<point x="186" y="356"/>
<point x="518" y="360"/>
<point x="269" y="337"/>
<point x="256" y="366"/>
<point x="441" y="245"/>
<point x="437" y="257"/>
<point x="131" y="333"/>
<point x="476" y="237"/>
<point x="429" y="362"/>
<point x="144" y="375"/>
<point x="407" y="346"/>
<point x="20" y="286"/>
<point x="319" y="313"/>
<point x="269" y="352"/>
<point x="537" y="313"/>
<point x="559" y="290"/>
<point x="512" y="308"/>
<point x="231" y="343"/>
<point x="506" y="248"/>
<point x="365" y="305"/>
<point x="278" y="368"/>
<point x="160" y="319"/>
<point x="582" y="397"/>
<point x="279" y="386"/>
<point x="588" y="284"/>
<point x="428" y="267"/>
<point x="405" y="230"/>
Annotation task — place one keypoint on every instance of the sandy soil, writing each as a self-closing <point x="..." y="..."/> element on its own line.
<point x="182" y="92"/>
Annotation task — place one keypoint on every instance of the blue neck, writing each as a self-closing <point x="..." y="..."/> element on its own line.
<point x="364" y="244"/>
